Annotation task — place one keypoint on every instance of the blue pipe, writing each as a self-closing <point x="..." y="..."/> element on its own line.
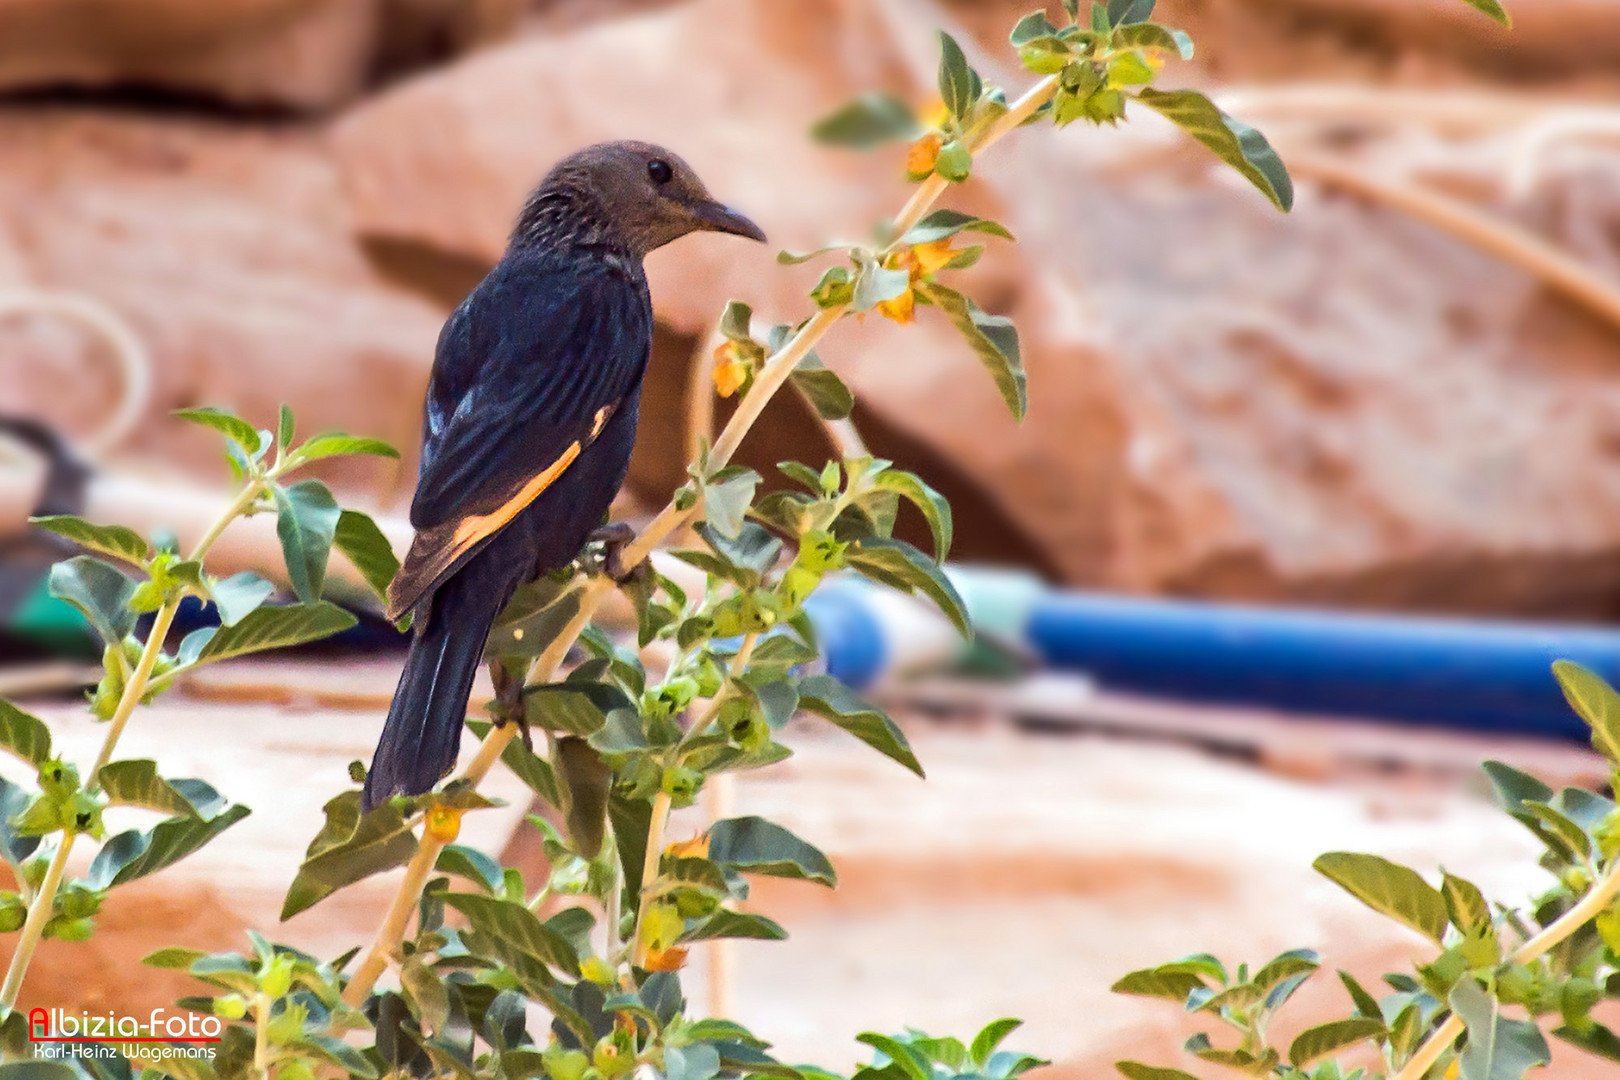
<point x="1477" y="674"/>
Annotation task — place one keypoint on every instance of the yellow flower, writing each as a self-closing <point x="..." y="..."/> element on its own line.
<point x="902" y="309"/>
<point x="695" y="848"/>
<point x="666" y="959"/>
<point x="936" y="114"/>
<point x="929" y="258"/>
<point x="444" y="823"/>
<point x="921" y="156"/>
<point x="730" y="372"/>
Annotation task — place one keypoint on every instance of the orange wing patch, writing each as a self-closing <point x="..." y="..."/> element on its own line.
<point x="478" y="526"/>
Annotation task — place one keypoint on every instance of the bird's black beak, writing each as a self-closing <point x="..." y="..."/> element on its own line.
<point x="717" y="217"/>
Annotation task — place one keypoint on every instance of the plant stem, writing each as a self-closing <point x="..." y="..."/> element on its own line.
<point x="1585" y="910"/>
<point x="770" y="379"/>
<point x="261" y="1035"/>
<point x="135" y="688"/>
<point x="39" y="912"/>
<point x="649" y="868"/>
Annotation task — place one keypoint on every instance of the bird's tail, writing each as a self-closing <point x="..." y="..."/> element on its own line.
<point x="423" y="734"/>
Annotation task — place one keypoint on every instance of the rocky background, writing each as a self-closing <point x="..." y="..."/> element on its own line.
<point x="1347" y="405"/>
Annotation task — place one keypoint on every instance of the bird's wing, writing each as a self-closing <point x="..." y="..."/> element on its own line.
<point x="527" y="374"/>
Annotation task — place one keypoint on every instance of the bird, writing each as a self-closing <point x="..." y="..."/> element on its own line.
<point x="528" y="426"/>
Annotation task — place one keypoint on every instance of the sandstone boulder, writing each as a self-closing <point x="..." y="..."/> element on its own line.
<point x="231" y="253"/>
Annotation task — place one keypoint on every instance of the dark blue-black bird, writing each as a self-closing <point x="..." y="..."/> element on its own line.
<point x="530" y="419"/>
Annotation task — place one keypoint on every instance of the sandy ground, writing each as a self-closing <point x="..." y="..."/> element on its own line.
<point x="1025" y="875"/>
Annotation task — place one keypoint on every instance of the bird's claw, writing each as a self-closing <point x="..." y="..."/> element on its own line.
<point x="509" y="704"/>
<point x="614" y="537"/>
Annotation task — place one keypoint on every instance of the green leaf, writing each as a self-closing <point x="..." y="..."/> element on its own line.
<point x="868" y="121"/>
<point x="101" y="593"/>
<point x="993" y="338"/>
<point x="579" y="708"/>
<point x="276" y="628"/>
<point x="1595" y="1039"/>
<point x="135" y="854"/>
<point x="1595" y="702"/>
<point x="750" y="1061"/>
<point x="753" y="845"/>
<point x="1172" y="985"/>
<point x="1465" y="904"/>
<point x="1291" y="963"/>
<point x="1498" y="1048"/>
<point x="364" y="545"/>
<point x="990" y="1036"/>
<point x="233" y="427"/>
<point x="1515" y="788"/>
<point x="832" y="700"/>
<point x="1570" y="838"/>
<point x="823" y="389"/>
<point x="942" y="223"/>
<point x="957" y="83"/>
<point x="1326" y="1038"/>
<point x="306" y="521"/>
<point x="115" y="540"/>
<point x="900" y="566"/>
<point x="911" y="1063"/>
<point x="933" y="505"/>
<point x="1366" y="1004"/>
<point x="137" y="783"/>
<point x="514" y="929"/>
<point x="335" y="444"/>
<point x="1126" y="12"/>
<point x="238" y="596"/>
<point x="173" y="958"/>
<point x="285" y="427"/>
<point x="1135" y="1070"/>
<point x="1031" y="28"/>
<point x="1388" y="888"/>
<point x="726" y="923"/>
<point x="1233" y="141"/>
<point x="726" y="500"/>
<point x="1493" y="9"/>
<point x="1153" y="36"/>
<point x="349" y="848"/>
<point x="472" y="864"/>
<point x="37" y="1070"/>
<point x="24" y="734"/>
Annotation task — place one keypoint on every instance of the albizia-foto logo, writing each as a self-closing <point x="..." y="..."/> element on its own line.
<point x="166" y="1034"/>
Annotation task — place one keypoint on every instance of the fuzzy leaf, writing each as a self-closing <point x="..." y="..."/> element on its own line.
<point x="238" y="596"/>
<point x="364" y="545"/>
<point x="276" y="628"/>
<point x="349" y="848"/>
<point x="942" y="223"/>
<point x="726" y="923"/>
<point x="24" y="734"/>
<point x="336" y="445"/>
<point x="101" y="593"/>
<point x="1388" y="888"/>
<point x="868" y="121"/>
<point x="514" y="929"/>
<point x="956" y="79"/>
<point x="1498" y="1048"/>
<point x="135" y="854"/>
<point x="233" y="427"/>
<point x="994" y="340"/>
<point x="828" y="698"/>
<point x="1326" y="1038"/>
<point x="753" y="845"/>
<point x="1233" y="141"/>
<point x="1596" y="702"/>
<point x="306" y="521"/>
<point x="1493" y="9"/>
<point x="900" y="566"/>
<point x="115" y="540"/>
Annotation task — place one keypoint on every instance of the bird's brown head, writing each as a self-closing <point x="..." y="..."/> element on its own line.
<point x="642" y="193"/>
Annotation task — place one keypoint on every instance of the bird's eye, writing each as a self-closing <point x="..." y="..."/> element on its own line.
<point x="660" y="171"/>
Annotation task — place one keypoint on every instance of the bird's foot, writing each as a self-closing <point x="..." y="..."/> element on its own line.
<point x="508" y="707"/>
<point x="613" y="538"/>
